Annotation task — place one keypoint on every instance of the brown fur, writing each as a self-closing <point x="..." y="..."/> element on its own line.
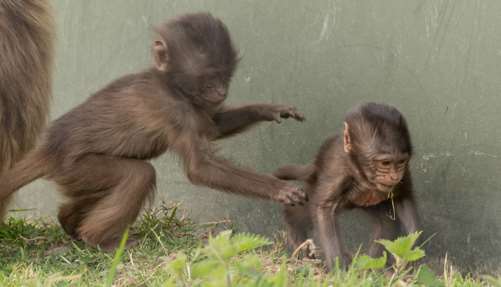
<point x="97" y="152"/>
<point x="26" y="57"/>
<point x="346" y="174"/>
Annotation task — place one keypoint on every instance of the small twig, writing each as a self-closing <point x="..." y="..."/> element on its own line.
<point x="393" y="215"/>
<point x="130" y="258"/>
<point x="428" y="239"/>
<point x="446" y="272"/>
<point x="391" y="279"/>
<point x="22" y="209"/>
<point x="65" y="260"/>
<point x="159" y="241"/>
<point x="307" y="242"/>
<point x="34" y="239"/>
<point x="215" y="222"/>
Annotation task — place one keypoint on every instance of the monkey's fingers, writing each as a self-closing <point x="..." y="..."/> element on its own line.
<point x="291" y="112"/>
<point x="298" y="116"/>
<point x="277" y="118"/>
<point x="295" y="199"/>
<point x="291" y="195"/>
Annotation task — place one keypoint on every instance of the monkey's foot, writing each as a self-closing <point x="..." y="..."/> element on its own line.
<point x="112" y="245"/>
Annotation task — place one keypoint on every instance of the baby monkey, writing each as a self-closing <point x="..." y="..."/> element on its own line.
<point x="367" y="167"/>
<point x="98" y="153"/>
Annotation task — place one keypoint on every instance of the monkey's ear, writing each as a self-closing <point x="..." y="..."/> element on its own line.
<point x="346" y="138"/>
<point x="160" y="55"/>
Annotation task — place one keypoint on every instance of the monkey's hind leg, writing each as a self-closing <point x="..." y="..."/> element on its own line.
<point x="106" y="221"/>
<point x="298" y="223"/>
<point x="107" y="194"/>
<point x="3" y="208"/>
<point x="73" y="212"/>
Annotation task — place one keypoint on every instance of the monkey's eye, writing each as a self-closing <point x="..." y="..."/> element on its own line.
<point x="385" y="163"/>
<point x="402" y="162"/>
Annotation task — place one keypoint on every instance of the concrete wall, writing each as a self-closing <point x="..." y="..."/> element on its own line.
<point x="438" y="61"/>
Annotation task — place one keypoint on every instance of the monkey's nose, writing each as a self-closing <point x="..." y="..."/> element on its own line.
<point x="394" y="176"/>
<point x="392" y="180"/>
<point x="221" y="91"/>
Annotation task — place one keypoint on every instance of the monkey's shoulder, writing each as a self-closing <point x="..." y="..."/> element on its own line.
<point x="135" y="84"/>
<point x="330" y="154"/>
<point x="137" y="95"/>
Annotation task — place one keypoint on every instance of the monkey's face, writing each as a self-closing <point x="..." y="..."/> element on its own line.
<point x="381" y="160"/>
<point x="201" y="57"/>
<point x="383" y="170"/>
<point x="387" y="170"/>
<point x="204" y="75"/>
<point x="214" y="90"/>
<point x="381" y="153"/>
<point x="206" y="90"/>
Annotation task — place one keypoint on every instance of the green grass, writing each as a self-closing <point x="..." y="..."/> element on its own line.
<point x="173" y="251"/>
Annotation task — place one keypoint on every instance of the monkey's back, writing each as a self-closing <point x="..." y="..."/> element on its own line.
<point x="26" y="52"/>
<point x="325" y="157"/>
<point x="129" y="118"/>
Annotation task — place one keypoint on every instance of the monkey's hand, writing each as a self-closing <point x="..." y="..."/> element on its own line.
<point x="278" y="112"/>
<point x="291" y="195"/>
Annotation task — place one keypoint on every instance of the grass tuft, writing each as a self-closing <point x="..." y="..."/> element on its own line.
<point x="173" y="251"/>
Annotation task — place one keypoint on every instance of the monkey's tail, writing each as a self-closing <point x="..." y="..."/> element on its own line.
<point x="34" y="165"/>
<point x="295" y="172"/>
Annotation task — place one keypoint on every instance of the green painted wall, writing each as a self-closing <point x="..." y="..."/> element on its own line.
<point x="438" y="61"/>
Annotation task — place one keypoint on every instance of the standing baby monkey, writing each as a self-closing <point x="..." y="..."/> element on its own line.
<point x="97" y="153"/>
<point x="26" y="58"/>
<point x="367" y="167"/>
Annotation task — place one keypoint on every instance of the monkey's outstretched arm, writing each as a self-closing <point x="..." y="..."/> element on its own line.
<point x="231" y="121"/>
<point x="295" y="172"/>
<point x="203" y="168"/>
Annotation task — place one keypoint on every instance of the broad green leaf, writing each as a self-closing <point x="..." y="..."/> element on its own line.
<point x="177" y="265"/>
<point x="245" y="242"/>
<point x="427" y="278"/>
<point x="249" y="263"/>
<point x="365" y="262"/>
<point x="225" y="247"/>
<point x="280" y="278"/>
<point x="414" y="255"/>
<point x="205" y="268"/>
<point x="170" y="283"/>
<point x="402" y="247"/>
<point x="220" y="247"/>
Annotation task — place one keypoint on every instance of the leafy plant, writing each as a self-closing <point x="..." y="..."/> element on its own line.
<point x="171" y="252"/>
<point x="364" y="262"/>
<point x="427" y="277"/>
<point x="222" y="262"/>
<point x="402" y="249"/>
<point x="231" y="260"/>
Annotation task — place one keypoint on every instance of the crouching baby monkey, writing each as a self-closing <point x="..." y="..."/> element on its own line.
<point x="366" y="167"/>
<point x="98" y="152"/>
